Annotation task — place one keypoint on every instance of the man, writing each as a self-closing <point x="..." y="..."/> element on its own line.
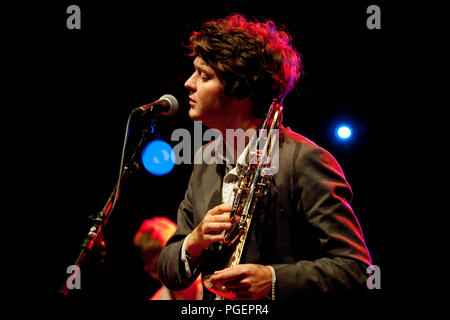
<point x="149" y="240"/>
<point x="305" y="238"/>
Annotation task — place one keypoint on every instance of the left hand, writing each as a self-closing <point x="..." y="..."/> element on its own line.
<point x="246" y="281"/>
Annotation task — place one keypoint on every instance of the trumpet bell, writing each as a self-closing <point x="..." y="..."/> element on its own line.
<point x="218" y="288"/>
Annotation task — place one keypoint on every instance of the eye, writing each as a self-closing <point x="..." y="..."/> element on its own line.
<point x="203" y="76"/>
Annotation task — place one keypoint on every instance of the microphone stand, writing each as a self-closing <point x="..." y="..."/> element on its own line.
<point x="95" y="234"/>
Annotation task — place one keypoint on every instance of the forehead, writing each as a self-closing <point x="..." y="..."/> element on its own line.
<point x="200" y="63"/>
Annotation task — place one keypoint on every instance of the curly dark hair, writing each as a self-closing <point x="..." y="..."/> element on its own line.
<point x="253" y="59"/>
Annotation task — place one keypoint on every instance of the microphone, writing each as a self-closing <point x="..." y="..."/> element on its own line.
<point x="166" y="105"/>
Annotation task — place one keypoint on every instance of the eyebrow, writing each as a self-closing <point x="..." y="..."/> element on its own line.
<point x="202" y="66"/>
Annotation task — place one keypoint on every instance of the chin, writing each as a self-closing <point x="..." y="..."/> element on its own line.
<point x="193" y="114"/>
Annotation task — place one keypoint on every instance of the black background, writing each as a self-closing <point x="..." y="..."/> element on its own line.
<point x="127" y="54"/>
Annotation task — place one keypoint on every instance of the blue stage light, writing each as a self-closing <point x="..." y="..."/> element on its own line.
<point x="343" y="132"/>
<point x="158" y="158"/>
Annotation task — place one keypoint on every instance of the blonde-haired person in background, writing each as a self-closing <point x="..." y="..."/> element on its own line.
<point x="149" y="240"/>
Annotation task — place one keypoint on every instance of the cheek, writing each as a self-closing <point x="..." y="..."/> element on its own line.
<point x="211" y="95"/>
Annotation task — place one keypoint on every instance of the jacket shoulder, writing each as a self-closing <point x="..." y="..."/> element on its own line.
<point x="289" y="136"/>
<point x="305" y="150"/>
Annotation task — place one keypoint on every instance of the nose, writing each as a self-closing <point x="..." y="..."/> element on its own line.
<point x="190" y="83"/>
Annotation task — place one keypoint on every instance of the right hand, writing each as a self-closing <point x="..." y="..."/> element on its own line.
<point x="209" y="230"/>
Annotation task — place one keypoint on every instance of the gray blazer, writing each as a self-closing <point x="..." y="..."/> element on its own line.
<point x="304" y="228"/>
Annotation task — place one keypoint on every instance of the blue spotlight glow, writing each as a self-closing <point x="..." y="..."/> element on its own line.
<point x="158" y="158"/>
<point x="343" y="132"/>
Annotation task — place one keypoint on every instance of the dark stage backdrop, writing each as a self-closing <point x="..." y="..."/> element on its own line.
<point x="130" y="53"/>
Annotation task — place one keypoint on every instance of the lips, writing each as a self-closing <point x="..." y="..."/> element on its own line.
<point x="191" y="101"/>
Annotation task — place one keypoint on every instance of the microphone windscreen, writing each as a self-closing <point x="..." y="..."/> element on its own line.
<point x="172" y="102"/>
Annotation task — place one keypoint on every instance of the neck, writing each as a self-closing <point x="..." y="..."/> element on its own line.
<point x="237" y="140"/>
<point x="238" y="116"/>
<point x="240" y="124"/>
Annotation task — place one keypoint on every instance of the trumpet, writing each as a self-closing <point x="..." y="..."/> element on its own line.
<point x="253" y="183"/>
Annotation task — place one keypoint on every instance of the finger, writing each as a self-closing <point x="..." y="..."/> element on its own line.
<point x="221" y="208"/>
<point x="227" y="274"/>
<point x="223" y="217"/>
<point x="216" y="227"/>
<point x="238" y="285"/>
<point x="241" y="294"/>
<point x="214" y="237"/>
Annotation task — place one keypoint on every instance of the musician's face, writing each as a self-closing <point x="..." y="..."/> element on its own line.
<point x="206" y="95"/>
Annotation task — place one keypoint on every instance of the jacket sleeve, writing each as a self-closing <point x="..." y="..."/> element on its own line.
<point x="324" y="199"/>
<point x="171" y="268"/>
